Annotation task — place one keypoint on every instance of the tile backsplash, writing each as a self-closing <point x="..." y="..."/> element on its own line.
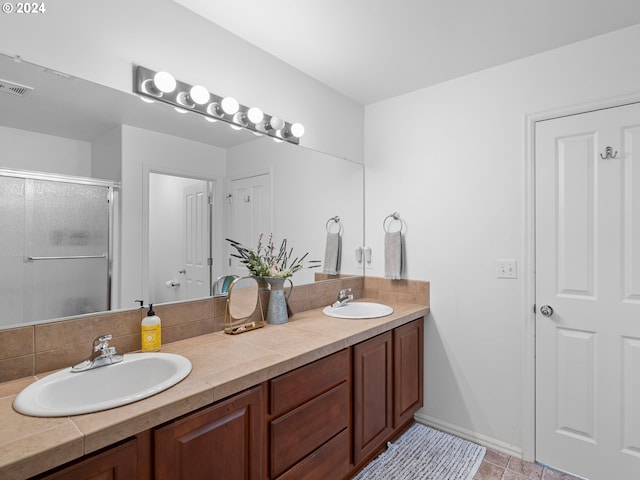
<point x="35" y="349"/>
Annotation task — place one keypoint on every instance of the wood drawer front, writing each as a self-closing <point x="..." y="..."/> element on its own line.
<point x="301" y="431"/>
<point x="331" y="461"/>
<point x="296" y="387"/>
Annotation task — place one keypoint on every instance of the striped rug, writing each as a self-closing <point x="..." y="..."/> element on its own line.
<point x="422" y="453"/>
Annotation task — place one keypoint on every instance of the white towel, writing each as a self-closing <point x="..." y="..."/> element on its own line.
<point x="393" y="255"/>
<point x="332" y="254"/>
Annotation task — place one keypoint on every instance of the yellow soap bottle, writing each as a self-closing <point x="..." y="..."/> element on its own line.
<point x="151" y="331"/>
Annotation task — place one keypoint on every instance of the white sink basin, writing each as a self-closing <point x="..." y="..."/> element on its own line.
<point x="356" y="310"/>
<point x="138" y="376"/>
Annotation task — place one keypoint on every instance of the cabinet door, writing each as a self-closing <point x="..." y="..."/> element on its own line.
<point x="221" y="442"/>
<point x="116" y="463"/>
<point x="407" y="371"/>
<point x="373" y="394"/>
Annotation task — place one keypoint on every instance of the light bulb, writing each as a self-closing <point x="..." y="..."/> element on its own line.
<point x="199" y="94"/>
<point x="240" y="118"/>
<point x="230" y="105"/>
<point x="184" y="99"/>
<point x="214" y="109"/>
<point x="255" y="115"/>
<point x="149" y="88"/>
<point x="297" y="130"/>
<point x="164" y="82"/>
<point x="275" y="123"/>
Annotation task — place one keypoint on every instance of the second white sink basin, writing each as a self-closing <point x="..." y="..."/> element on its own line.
<point x="358" y="310"/>
<point x="138" y="376"/>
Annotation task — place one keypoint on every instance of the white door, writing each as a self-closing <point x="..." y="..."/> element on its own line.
<point x="588" y="272"/>
<point x="250" y="215"/>
<point x="197" y="240"/>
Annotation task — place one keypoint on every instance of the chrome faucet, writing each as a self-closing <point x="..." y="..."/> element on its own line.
<point x="344" y="297"/>
<point x="101" y="356"/>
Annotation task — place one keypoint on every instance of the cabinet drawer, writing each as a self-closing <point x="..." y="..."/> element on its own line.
<point x="296" y="434"/>
<point x="296" y="387"/>
<point x="329" y="461"/>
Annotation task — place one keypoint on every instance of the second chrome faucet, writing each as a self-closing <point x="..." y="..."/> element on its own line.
<point x="344" y="297"/>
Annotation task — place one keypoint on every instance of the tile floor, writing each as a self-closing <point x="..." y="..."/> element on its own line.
<point x="500" y="466"/>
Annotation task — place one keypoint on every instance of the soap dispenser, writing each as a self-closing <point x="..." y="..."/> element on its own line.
<point x="151" y="331"/>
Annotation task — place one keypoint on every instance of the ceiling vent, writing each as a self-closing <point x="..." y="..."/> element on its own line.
<point x="14" y="88"/>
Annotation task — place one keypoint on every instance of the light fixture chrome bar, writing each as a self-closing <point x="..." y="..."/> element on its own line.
<point x="179" y="98"/>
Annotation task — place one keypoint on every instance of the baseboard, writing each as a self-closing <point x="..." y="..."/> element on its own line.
<point x="475" y="437"/>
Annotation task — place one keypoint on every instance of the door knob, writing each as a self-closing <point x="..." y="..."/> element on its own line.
<point x="546" y="310"/>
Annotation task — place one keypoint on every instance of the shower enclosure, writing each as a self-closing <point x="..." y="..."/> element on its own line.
<point x="55" y="246"/>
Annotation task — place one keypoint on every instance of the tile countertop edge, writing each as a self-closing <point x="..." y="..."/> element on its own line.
<point x="100" y="429"/>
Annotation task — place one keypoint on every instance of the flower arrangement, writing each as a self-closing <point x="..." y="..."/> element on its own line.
<point x="265" y="261"/>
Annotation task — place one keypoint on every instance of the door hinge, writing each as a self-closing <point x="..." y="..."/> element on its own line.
<point x="229" y="199"/>
<point x="210" y="199"/>
<point x="209" y="261"/>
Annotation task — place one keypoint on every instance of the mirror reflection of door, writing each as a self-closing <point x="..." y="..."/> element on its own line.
<point x="250" y="214"/>
<point x="197" y="245"/>
<point x="180" y="235"/>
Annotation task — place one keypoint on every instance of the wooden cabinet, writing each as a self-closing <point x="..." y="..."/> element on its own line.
<point x="115" y="463"/>
<point x="220" y="442"/>
<point x="372" y="394"/>
<point x="309" y="412"/>
<point x="408" y="367"/>
<point x="387" y="387"/>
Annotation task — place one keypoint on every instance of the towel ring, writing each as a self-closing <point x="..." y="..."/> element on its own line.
<point x="335" y="219"/>
<point x="388" y="221"/>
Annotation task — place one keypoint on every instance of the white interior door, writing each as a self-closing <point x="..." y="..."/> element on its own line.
<point x="197" y="240"/>
<point x="588" y="272"/>
<point x="250" y="214"/>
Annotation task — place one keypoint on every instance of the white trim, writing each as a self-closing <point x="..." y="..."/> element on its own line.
<point x="475" y="437"/>
<point x="529" y="246"/>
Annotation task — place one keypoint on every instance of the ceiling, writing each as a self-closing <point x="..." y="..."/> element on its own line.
<point x="372" y="50"/>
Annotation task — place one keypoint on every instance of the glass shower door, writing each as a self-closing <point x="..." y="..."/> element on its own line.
<point x="67" y="249"/>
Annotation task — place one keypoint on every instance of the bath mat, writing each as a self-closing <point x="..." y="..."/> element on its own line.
<point x="422" y="453"/>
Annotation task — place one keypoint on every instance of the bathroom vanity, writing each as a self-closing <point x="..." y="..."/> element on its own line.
<point x="317" y="397"/>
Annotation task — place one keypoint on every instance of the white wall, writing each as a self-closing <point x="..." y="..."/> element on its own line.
<point x="106" y="161"/>
<point x="454" y="168"/>
<point x="101" y="41"/>
<point x="144" y="151"/>
<point x="24" y="150"/>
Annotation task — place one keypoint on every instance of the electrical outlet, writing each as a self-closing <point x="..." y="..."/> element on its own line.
<point x="506" y="269"/>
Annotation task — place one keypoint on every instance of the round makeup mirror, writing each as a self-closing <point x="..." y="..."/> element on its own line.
<point x="244" y="308"/>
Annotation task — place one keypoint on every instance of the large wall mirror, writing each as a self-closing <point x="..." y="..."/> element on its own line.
<point x="178" y="186"/>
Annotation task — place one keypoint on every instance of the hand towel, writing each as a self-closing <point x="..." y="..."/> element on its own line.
<point x="393" y="255"/>
<point x="332" y="254"/>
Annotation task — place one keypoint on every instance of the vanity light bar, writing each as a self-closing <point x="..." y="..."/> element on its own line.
<point x="162" y="87"/>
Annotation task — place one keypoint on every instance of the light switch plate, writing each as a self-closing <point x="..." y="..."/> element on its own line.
<point x="506" y="269"/>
